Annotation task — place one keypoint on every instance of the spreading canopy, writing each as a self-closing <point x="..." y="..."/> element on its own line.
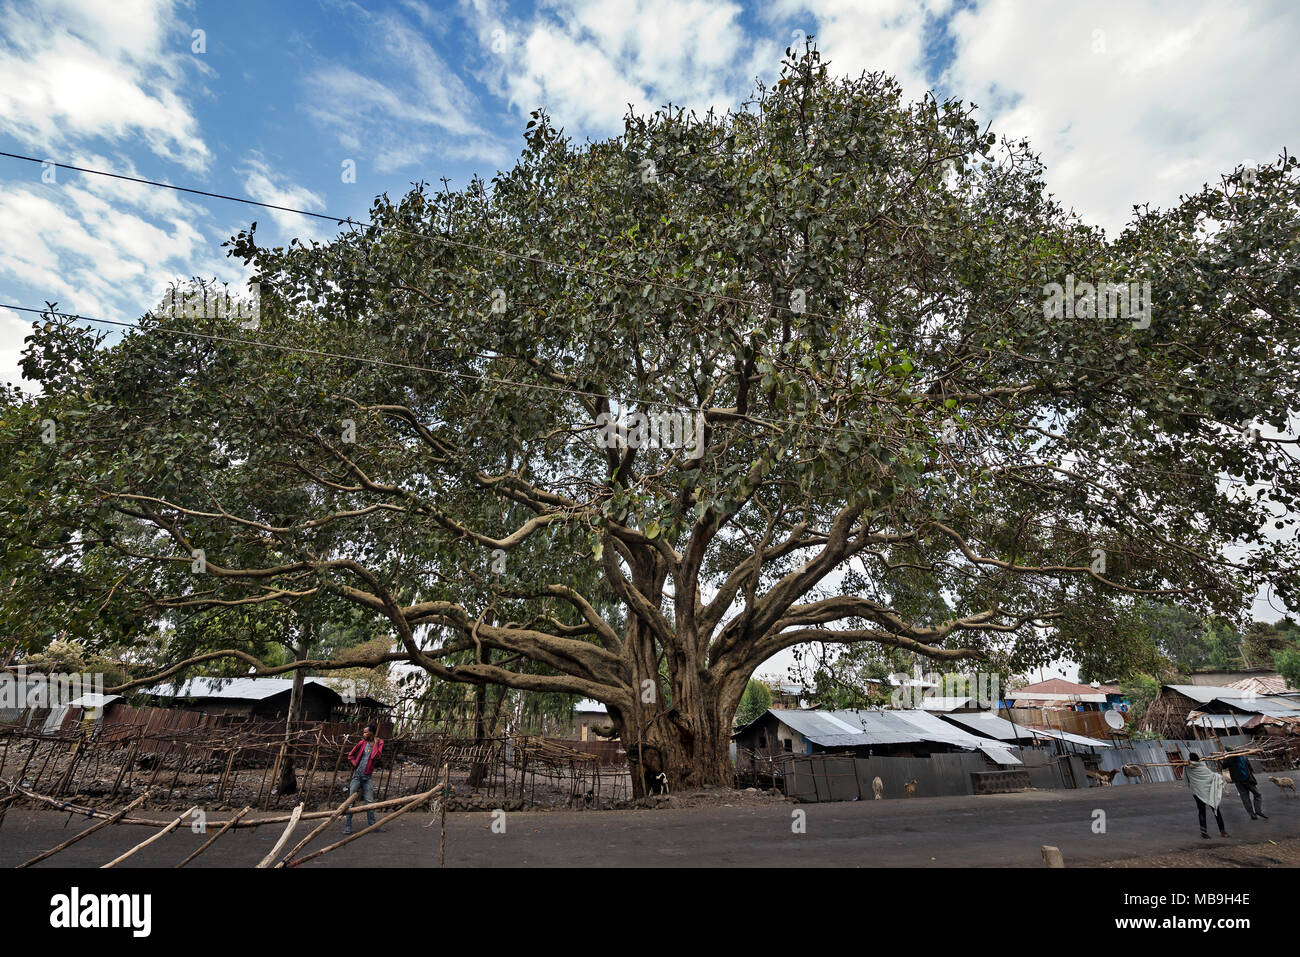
<point x="906" y="434"/>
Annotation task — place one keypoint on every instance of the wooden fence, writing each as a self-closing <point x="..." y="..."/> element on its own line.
<point x="1091" y="724"/>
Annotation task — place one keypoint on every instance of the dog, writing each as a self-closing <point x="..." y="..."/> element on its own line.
<point x="1134" y="771"/>
<point x="878" y="788"/>
<point x="909" y="788"/>
<point x="658" y="784"/>
<point x="1285" y="784"/>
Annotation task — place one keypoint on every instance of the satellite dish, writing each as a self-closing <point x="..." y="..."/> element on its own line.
<point x="1115" y="719"/>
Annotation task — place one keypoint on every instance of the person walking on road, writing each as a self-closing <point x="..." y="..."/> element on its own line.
<point x="362" y="757"/>
<point x="1243" y="776"/>
<point x="1207" y="788"/>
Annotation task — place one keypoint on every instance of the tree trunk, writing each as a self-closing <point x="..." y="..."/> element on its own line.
<point x="288" y="775"/>
<point x="478" y="771"/>
<point x="496" y="712"/>
<point x="688" y="742"/>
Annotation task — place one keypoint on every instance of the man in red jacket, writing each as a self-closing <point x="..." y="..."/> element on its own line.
<point x="362" y="757"/>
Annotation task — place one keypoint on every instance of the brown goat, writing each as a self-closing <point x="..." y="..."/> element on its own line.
<point x="1285" y="784"/>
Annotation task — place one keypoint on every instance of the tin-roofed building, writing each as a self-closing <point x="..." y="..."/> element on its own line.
<point x="258" y="697"/>
<point x="1059" y="693"/>
<point x="902" y="733"/>
<point x="1221" y="708"/>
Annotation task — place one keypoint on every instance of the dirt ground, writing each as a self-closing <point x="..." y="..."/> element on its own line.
<point x="1148" y="826"/>
<point x="1215" y="853"/>
<point x="708" y="797"/>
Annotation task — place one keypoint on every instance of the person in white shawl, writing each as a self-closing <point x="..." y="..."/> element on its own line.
<point x="1207" y="789"/>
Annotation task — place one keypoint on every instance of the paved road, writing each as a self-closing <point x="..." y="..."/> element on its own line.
<point x="993" y="830"/>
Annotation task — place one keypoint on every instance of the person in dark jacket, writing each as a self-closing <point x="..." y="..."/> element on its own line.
<point x="1243" y="776"/>
<point x="362" y="757"/>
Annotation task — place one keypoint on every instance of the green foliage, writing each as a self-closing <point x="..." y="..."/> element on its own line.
<point x="754" y="703"/>
<point x="851" y="678"/>
<point x="1287" y="663"/>
<point x="1140" y="690"/>
<point x="1179" y="634"/>
<point x="1225" y="645"/>
<point x="71" y="657"/>
<point x="1263" y="641"/>
<point x="921" y="459"/>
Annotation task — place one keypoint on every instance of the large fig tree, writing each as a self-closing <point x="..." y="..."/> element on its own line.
<point x="640" y="414"/>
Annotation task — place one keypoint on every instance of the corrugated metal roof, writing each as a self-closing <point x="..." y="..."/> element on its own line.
<point x="1261" y="705"/>
<point x="990" y="725"/>
<point x="1058" y="689"/>
<point x="940" y="730"/>
<point x="93" y="700"/>
<point x="876" y="727"/>
<point x="938" y="703"/>
<point x="243" y="689"/>
<point x="1218" y="720"/>
<point x="835" y="729"/>
<point x="1204" y="693"/>
<point x="1266" y="684"/>
<point x="1073" y="738"/>
<point x="1089" y="696"/>
<point x="999" y="755"/>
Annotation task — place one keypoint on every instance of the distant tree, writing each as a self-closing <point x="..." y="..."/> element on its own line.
<point x="1264" y="640"/>
<point x="1225" y="645"/>
<point x="1287" y="663"/>
<point x="1140" y="690"/>
<point x="753" y="703"/>
<point x="1179" y="634"/>
<point x="1149" y="636"/>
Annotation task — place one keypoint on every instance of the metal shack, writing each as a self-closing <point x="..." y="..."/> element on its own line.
<point x="836" y="755"/>
<point x="253" y="697"/>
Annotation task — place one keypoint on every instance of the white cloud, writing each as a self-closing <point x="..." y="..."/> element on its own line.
<point x="1128" y="102"/>
<point x="266" y="185"/>
<point x="853" y="37"/>
<point x="13" y="328"/>
<point x="98" y="247"/>
<point x="71" y="70"/>
<point x="74" y="73"/>
<point x="585" y="61"/>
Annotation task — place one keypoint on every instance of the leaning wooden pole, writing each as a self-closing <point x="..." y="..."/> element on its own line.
<point x="75" y="808"/>
<point x="284" y="837"/>
<point x="320" y="827"/>
<point x="413" y="802"/>
<point x="145" y="843"/>
<point x="148" y="822"/>
<point x="442" y="825"/>
<point x="86" y="833"/>
<point x="210" y="841"/>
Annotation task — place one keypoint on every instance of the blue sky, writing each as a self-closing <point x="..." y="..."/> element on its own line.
<point x="1129" y="103"/>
